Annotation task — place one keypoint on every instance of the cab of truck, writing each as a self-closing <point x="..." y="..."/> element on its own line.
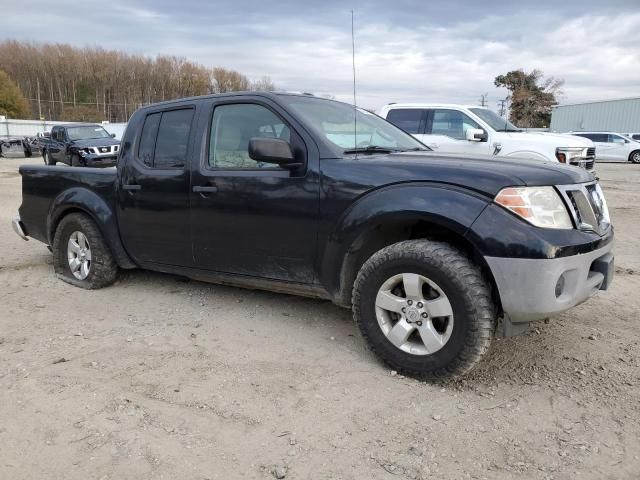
<point x="450" y="128"/>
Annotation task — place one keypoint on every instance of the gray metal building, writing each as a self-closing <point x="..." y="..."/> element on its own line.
<point x="622" y="116"/>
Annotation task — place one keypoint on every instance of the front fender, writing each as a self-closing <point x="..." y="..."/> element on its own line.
<point x="451" y="208"/>
<point x="87" y="201"/>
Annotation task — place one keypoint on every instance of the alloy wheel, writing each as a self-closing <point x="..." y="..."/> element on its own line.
<point x="414" y="314"/>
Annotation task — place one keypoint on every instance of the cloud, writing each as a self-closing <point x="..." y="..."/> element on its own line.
<point x="406" y="51"/>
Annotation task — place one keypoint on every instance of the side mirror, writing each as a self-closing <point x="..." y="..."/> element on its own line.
<point x="476" y="135"/>
<point x="113" y="135"/>
<point x="272" y="150"/>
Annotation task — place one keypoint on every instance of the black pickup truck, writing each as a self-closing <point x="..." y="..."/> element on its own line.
<point x="309" y="196"/>
<point x="80" y="145"/>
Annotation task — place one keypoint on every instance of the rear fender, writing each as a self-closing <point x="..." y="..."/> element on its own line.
<point x="80" y="199"/>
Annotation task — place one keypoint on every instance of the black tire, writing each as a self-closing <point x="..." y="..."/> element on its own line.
<point x="103" y="269"/>
<point x="634" y="157"/>
<point x="75" y="161"/>
<point x="461" y="281"/>
<point x="48" y="160"/>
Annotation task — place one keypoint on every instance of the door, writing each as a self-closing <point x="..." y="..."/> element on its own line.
<point x="154" y="188"/>
<point x="619" y="149"/>
<point x="602" y="144"/>
<point x="57" y="146"/>
<point x="252" y="218"/>
<point x="446" y="132"/>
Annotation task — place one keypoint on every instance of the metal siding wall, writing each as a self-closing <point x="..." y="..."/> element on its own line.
<point x="616" y="115"/>
<point x="29" y="128"/>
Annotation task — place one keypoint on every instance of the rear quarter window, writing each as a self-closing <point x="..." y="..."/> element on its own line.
<point x="408" y="119"/>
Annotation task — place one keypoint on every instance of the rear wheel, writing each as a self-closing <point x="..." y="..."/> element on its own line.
<point x="424" y="308"/>
<point x="80" y="255"/>
<point x="635" y="156"/>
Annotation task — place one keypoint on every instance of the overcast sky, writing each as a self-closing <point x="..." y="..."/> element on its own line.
<point x="447" y="51"/>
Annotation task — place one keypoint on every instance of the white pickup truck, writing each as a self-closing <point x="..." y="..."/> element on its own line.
<point x="478" y="130"/>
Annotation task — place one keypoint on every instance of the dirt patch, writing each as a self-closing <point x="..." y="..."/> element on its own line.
<point x="164" y="378"/>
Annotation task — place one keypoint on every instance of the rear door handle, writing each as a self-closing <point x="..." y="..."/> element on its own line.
<point x="131" y="187"/>
<point x="205" y="189"/>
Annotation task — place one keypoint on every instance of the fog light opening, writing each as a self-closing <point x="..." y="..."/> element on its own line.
<point x="560" y="286"/>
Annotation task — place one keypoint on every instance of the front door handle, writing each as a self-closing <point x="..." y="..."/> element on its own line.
<point x="205" y="189"/>
<point x="131" y="187"/>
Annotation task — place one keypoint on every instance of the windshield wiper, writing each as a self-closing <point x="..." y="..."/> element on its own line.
<point x="415" y="149"/>
<point x="509" y="130"/>
<point x="370" y="149"/>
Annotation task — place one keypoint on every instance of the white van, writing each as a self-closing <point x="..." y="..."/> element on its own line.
<point x="478" y="130"/>
<point x="613" y="147"/>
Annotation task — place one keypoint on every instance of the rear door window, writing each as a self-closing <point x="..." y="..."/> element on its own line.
<point x="164" y="140"/>
<point x="411" y="120"/>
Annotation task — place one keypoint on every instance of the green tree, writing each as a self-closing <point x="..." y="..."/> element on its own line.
<point x="12" y="101"/>
<point x="531" y="97"/>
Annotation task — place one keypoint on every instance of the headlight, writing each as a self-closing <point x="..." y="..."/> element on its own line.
<point x="566" y="154"/>
<point x="540" y="206"/>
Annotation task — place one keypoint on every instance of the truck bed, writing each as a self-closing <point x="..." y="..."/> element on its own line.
<point x="45" y="187"/>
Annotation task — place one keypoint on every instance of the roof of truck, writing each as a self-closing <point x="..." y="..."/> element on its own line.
<point x="237" y="94"/>
<point x="431" y="105"/>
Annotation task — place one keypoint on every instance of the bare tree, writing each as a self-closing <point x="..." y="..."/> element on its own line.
<point x="65" y="82"/>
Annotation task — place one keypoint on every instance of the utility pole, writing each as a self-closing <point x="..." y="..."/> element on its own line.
<point x="39" y="104"/>
<point x="503" y="106"/>
<point x="483" y="99"/>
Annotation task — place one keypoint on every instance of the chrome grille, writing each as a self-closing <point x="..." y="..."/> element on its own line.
<point x="587" y="207"/>
<point x="588" y="161"/>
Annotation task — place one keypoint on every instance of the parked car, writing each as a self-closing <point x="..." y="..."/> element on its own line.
<point x="80" y="145"/>
<point x="478" y="130"/>
<point x="8" y="144"/>
<point x="613" y="146"/>
<point x="38" y="142"/>
<point x="281" y="192"/>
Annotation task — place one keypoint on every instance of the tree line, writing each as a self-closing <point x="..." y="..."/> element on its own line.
<point x="62" y="82"/>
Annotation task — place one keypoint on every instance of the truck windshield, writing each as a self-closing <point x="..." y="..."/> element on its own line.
<point x="349" y="133"/>
<point x="495" y="121"/>
<point x="86" y="132"/>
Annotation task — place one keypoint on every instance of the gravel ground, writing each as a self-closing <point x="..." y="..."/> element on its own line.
<point x="159" y="377"/>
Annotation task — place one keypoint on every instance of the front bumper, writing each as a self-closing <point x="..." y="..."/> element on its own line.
<point x="99" y="161"/>
<point x="532" y="289"/>
<point x="18" y="227"/>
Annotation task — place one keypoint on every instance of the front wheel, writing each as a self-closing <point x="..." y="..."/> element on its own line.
<point x="424" y="308"/>
<point x="635" y="156"/>
<point x="80" y="255"/>
<point x="48" y="159"/>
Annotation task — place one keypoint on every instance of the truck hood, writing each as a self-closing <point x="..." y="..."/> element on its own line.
<point x="555" y="139"/>
<point x="95" y="142"/>
<point x="484" y="174"/>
